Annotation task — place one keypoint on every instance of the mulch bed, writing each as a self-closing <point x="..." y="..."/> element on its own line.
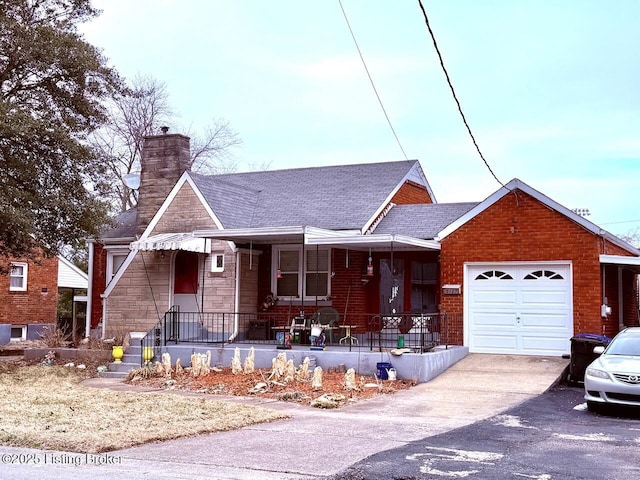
<point x="302" y="392"/>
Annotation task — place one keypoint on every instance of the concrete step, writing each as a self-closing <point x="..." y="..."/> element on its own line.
<point x="108" y="374"/>
<point x="132" y="355"/>
<point x="130" y="359"/>
<point x="123" y="366"/>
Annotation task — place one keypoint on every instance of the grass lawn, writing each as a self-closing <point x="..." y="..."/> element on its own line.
<point x="47" y="408"/>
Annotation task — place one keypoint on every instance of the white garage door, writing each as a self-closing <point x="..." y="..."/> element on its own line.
<point x="521" y="309"/>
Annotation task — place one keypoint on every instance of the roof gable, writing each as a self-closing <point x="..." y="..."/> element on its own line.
<point x="185" y="181"/>
<point x="517" y="184"/>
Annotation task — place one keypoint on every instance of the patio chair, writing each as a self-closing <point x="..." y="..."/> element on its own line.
<point x="299" y="326"/>
<point x="328" y="318"/>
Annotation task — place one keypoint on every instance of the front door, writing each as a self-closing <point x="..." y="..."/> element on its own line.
<point x="185" y="281"/>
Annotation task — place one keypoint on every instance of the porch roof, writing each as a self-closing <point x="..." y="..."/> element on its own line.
<point x="376" y="242"/>
<point x="632" y="263"/>
<point x="173" y="241"/>
<point x="352" y="240"/>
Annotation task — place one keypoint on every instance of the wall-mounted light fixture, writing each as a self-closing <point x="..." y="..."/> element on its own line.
<point x="370" y="266"/>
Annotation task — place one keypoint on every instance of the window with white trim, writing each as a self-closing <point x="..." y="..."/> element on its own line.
<point x="115" y="259"/>
<point x="18" y="333"/>
<point x="18" y="277"/>
<point x="290" y="279"/>
<point x="217" y="262"/>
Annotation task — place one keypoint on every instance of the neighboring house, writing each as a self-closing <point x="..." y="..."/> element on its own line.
<point x="515" y="273"/>
<point x="29" y="295"/>
<point x="75" y="281"/>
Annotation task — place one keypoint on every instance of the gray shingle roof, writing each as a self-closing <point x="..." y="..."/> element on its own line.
<point x="337" y="197"/>
<point x="422" y="221"/>
<point x="125" y="226"/>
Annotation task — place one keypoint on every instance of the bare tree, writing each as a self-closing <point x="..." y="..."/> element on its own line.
<point x="140" y="112"/>
<point x="632" y="237"/>
<point x="211" y="151"/>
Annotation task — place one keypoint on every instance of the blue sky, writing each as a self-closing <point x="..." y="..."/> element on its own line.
<point x="550" y="89"/>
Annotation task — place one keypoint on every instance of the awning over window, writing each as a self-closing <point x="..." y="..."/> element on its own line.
<point x="173" y="241"/>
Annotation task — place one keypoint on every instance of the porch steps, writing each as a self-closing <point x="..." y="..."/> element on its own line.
<point x="130" y="361"/>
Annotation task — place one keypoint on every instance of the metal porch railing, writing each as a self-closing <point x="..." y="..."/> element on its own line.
<point x="418" y="332"/>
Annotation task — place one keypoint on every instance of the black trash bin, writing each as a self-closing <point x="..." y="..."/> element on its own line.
<point x="582" y="355"/>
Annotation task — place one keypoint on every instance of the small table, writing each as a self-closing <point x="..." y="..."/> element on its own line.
<point x="347" y="334"/>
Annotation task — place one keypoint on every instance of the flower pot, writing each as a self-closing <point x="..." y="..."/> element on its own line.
<point x="117" y="352"/>
<point x="147" y="354"/>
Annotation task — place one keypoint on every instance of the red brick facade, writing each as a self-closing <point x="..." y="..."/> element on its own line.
<point x="519" y="228"/>
<point x="99" y="283"/>
<point x="38" y="304"/>
<point x="411" y="193"/>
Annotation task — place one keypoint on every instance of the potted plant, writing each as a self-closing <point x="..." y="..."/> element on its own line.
<point x="120" y="343"/>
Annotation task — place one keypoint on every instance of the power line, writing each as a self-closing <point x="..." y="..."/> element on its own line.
<point x="623" y="221"/>
<point x="371" y="80"/>
<point x="453" y="92"/>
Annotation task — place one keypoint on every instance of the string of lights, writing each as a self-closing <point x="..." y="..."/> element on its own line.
<point x="371" y="81"/>
<point x="453" y="92"/>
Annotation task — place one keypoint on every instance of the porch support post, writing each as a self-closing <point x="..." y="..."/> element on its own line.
<point x="204" y="265"/>
<point x="620" y="300"/>
<point x="304" y="269"/>
<point x="87" y="320"/>
<point x="236" y="302"/>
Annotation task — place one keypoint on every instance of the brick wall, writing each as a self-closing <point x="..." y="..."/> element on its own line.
<point x="411" y="193"/>
<point x="523" y="229"/>
<point x="38" y="304"/>
<point x="98" y="282"/>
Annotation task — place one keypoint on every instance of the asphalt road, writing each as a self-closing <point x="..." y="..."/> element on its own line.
<point x="550" y="437"/>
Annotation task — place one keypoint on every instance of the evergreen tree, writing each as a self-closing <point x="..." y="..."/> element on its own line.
<point x="52" y="87"/>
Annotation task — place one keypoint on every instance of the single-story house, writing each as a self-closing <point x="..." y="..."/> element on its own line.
<point x="516" y="273"/>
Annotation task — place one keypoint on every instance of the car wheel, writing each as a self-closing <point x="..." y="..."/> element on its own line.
<point x="594" y="407"/>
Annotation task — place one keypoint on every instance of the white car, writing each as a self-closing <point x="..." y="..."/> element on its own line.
<point x="614" y="377"/>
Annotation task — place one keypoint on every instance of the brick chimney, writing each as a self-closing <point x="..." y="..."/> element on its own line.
<point x="164" y="159"/>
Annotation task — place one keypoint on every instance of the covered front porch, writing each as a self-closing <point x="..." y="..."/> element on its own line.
<point x="304" y="289"/>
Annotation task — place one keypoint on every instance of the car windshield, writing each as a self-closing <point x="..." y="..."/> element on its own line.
<point x="625" y="345"/>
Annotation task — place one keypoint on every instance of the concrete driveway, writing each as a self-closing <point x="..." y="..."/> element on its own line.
<point x="322" y="442"/>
